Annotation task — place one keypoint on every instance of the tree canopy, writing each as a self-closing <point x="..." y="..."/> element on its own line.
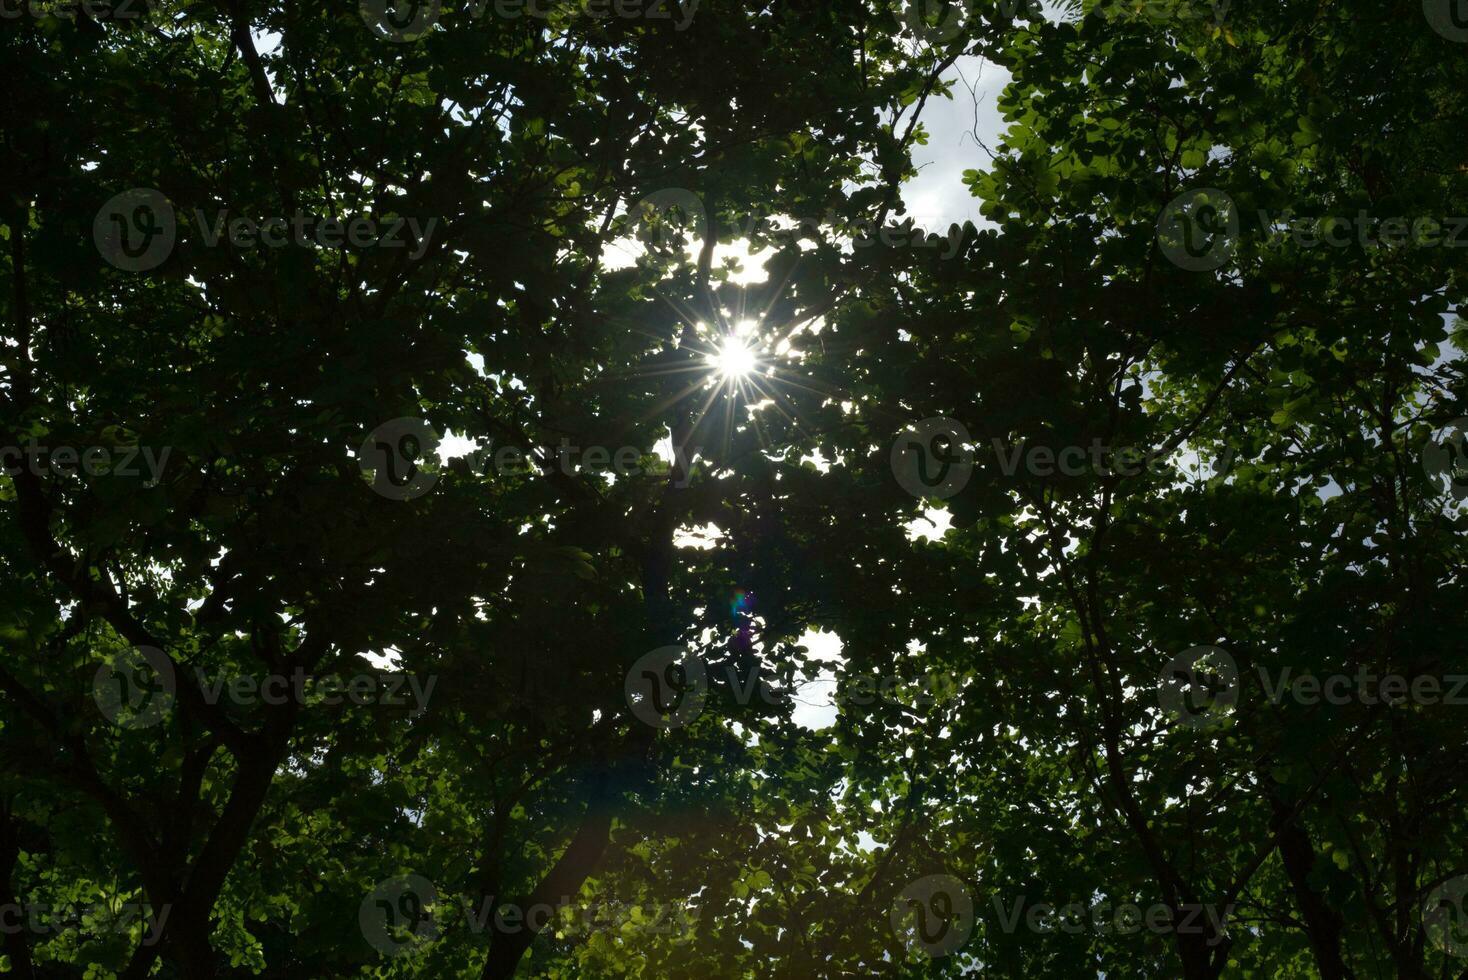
<point x="442" y="441"/>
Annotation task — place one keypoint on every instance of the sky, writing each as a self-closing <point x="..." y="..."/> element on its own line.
<point x="937" y="196"/>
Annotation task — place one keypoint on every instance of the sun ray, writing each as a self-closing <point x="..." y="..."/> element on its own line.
<point x="791" y="416"/>
<point x="734" y="360"/>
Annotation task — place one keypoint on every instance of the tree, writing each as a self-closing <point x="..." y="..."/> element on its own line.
<point x="289" y="251"/>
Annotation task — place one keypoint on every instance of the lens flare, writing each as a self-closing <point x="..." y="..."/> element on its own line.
<point x="733" y="360"/>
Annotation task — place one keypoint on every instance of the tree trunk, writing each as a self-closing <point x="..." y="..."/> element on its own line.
<point x="564" y="879"/>
<point x="17" y="946"/>
<point x="1322" y="924"/>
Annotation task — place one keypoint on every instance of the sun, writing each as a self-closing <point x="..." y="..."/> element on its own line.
<point x="733" y="360"/>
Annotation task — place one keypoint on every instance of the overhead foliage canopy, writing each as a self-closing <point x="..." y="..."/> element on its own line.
<point x="285" y="694"/>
